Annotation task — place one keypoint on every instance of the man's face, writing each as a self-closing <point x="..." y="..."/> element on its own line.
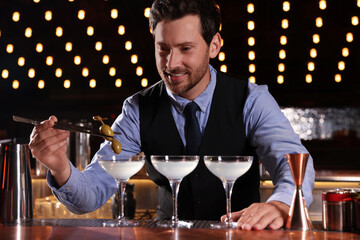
<point x="182" y="56"/>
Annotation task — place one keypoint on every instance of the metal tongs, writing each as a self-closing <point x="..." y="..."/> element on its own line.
<point x="64" y="126"/>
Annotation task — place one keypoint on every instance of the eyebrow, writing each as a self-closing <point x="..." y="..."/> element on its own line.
<point x="176" y="45"/>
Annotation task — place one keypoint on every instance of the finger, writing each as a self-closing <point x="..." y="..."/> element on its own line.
<point x="248" y="213"/>
<point x="277" y="223"/>
<point x="47" y="138"/>
<point x="234" y="216"/>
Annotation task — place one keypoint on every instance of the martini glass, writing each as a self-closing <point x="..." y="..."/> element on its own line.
<point x="175" y="168"/>
<point x="228" y="169"/>
<point x="121" y="168"/>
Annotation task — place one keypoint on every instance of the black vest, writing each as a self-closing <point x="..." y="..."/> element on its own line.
<point x="201" y="194"/>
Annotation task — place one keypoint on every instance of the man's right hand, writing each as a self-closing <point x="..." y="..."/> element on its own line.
<point x="48" y="146"/>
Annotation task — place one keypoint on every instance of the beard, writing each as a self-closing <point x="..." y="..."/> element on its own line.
<point x="192" y="79"/>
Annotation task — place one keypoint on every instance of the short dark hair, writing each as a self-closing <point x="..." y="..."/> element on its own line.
<point x="207" y="10"/>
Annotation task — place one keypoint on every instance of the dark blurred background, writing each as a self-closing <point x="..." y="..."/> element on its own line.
<point x="298" y="86"/>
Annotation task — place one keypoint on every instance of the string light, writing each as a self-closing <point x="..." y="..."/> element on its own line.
<point x="5" y="73"/>
<point x="341" y="65"/>
<point x="85" y="72"/>
<point x="313" y="53"/>
<point x="223" y="68"/>
<point x="283" y="40"/>
<point x="349" y="37"/>
<point x="39" y="47"/>
<point x="128" y="45"/>
<point x="221" y="56"/>
<point x="281" y="67"/>
<point x="251" y="41"/>
<point x="311" y="66"/>
<point x="92" y="83"/>
<point x="36" y="1"/>
<point x="106" y="59"/>
<point x="355" y="20"/>
<point x="48" y="15"/>
<point x="28" y="32"/>
<point x="147" y="12"/>
<point x="251" y="55"/>
<point x="322" y="4"/>
<point x="144" y="82"/>
<point x="134" y="59"/>
<point x="31" y="73"/>
<point x="15" y="84"/>
<point x="81" y="14"/>
<point x="90" y="31"/>
<point x="68" y="46"/>
<point x="345" y="52"/>
<point x="118" y="82"/>
<point x="58" y="72"/>
<point x="316" y="38"/>
<point x="67" y="84"/>
<point x="9" y="48"/>
<point x="251" y="25"/>
<point x="252" y="68"/>
<point x="337" y="78"/>
<point x="98" y="46"/>
<point x="319" y="22"/>
<point x="112" y="71"/>
<point x="250" y="8"/>
<point x="280" y="79"/>
<point x="139" y="71"/>
<point x="308" y="78"/>
<point x="49" y="60"/>
<point x="284" y="23"/>
<point x="16" y="16"/>
<point x="59" y="31"/>
<point x="21" y="61"/>
<point x="121" y="30"/>
<point x="252" y="79"/>
<point x="114" y="13"/>
<point x="77" y="60"/>
<point x="41" y="84"/>
<point x="282" y="54"/>
<point x="286" y="6"/>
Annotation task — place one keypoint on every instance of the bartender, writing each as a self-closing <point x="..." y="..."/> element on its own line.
<point x="233" y="117"/>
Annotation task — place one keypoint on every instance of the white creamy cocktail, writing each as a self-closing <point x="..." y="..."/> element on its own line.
<point x="228" y="169"/>
<point x="175" y="168"/>
<point x="121" y="168"/>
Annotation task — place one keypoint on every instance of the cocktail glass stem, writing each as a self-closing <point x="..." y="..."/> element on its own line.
<point x="175" y="190"/>
<point x="121" y="193"/>
<point x="228" y="185"/>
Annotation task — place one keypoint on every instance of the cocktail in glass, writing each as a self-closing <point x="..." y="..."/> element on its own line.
<point x="175" y="168"/>
<point x="121" y="168"/>
<point x="228" y="169"/>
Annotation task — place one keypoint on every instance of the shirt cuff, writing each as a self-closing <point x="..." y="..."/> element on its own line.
<point x="66" y="190"/>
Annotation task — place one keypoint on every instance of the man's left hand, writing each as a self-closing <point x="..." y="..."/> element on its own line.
<point x="261" y="215"/>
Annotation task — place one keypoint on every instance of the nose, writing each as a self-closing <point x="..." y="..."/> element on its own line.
<point x="173" y="60"/>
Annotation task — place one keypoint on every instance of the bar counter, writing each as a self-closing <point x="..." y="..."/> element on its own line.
<point x="80" y="231"/>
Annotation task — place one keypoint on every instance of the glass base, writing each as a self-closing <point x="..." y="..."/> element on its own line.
<point x="178" y="224"/>
<point x="224" y="225"/>
<point x="120" y="223"/>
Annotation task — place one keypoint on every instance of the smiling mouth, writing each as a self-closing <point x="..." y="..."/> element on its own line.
<point x="175" y="78"/>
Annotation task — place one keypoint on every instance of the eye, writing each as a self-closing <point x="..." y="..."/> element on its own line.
<point x="186" y="48"/>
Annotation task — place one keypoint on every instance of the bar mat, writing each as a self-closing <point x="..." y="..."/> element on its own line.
<point x="99" y="223"/>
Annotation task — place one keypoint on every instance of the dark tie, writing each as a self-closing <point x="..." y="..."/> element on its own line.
<point x="192" y="129"/>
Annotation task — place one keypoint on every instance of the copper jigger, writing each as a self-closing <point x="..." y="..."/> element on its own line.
<point x="298" y="218"/>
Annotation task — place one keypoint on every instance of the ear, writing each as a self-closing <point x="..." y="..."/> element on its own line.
<point x="215" y="46"/>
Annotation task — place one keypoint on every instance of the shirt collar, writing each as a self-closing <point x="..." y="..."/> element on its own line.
<point x="203" y="100"/>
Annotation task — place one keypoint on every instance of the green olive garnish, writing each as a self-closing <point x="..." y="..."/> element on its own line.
<point x="107" y="131"/>
<point x="116" y="146"/>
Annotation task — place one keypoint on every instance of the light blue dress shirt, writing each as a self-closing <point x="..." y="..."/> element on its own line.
<point x="267" y="129"/>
